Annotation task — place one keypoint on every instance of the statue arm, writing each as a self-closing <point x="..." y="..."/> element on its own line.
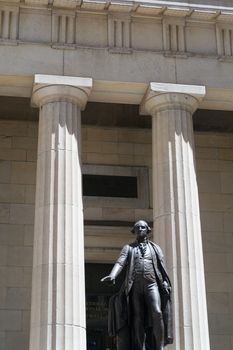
<point x="118" y="267"/>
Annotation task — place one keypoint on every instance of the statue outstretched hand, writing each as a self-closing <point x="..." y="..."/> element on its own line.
<point x="108" y="279"/>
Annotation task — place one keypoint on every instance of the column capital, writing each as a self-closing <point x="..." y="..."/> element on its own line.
<point x="164" y="96"/>
<point x="54" y="88"/>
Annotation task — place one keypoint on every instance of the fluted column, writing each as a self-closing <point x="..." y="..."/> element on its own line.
<point x="58" y="284"/>
<point x="176" y="207"/>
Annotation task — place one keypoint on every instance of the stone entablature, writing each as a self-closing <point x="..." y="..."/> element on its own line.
<point x="120" y="26"/>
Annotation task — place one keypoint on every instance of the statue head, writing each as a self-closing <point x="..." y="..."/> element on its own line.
<point x="141" y="228"/>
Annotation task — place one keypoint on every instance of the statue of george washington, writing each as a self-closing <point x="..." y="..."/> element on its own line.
<point x="140" y="315"/>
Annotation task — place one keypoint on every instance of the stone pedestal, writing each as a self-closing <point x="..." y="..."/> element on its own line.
<point x="58" y="286"/>
<point x="176" y="207"/>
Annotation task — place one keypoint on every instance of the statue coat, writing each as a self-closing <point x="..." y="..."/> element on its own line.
<point x="119" y="311"/>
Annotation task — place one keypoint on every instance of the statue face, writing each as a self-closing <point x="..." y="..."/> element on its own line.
<point x="141" y="229"/>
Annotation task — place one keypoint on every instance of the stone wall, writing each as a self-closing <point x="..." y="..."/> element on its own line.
<point x="18" y="142"/>
<point x="214" y="153"/>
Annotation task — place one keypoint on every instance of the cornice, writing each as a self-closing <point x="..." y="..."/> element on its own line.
<point x="142" y="7"/>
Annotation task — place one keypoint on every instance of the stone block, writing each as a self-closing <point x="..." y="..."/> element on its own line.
<point x="231" y="302"/>
<point x="13" y="128"/>
<point x="216" y="262"/>
<point x="33" y="129"/>
<point x="10" y="193"/>
<point x="145" y="214"/>
<point x="126" y="148"/>
<point x="211" y="221"/>
<point x="209" y="181"/>
<point x="12" y="154"/>
<point x="26" y="320"/>
<point x="22" y="214"/>
<point x="3" y="255"/>
<point x="5" y="171"/>
<point x="213" y="165"/>
<point x="109" y="147"/>
<point x="31" y="156"/>
<point x="213" y="140"/>
<point x="200" y="39"/>
<point x="4" y="213"/>
<point x="93" y="29"/>
<point x="227" y="182"/>
<point x="93" y="214"/>
<point x="39" y="31"/>
<point x="102" y="134"/>
<point x="3" y="276"/>
<point x="10" y="320"/>
<point x="221" y="324"/>
<point x="225" y="153"/>
<point x="18" y="298"/>
<point x="2" y="340"/>
<point x="135" y="136"/>
<point x="142" y="149"/>
<point x="28" y="235"/>
<point x="206" y="153"/>
<point x="207" y="165"/>
<point x="229" y="242"/>
<point x="28" y="143"/>
<point x="218" y="341"/>
<point x="124" y="159"/>
<point x="91" y="146"/>
<point x="3" y="294"/>
<point x="17" y="340"/>
<point x="228" y="222"/>
<point x="15" y="276"/>
<point x="84" y="132"/>
<point x="217" y="282"/>
<point x="30" y="192"/>
<point x="229" y="257"/>
<point x="217" y="242"/>
<point x="142" y="29"/>
<point x="27" y="277"/>
<point x="225" y="165"/>
<point x="216" y="202"/>
<point x="11" y="234"/>
<point x="5" y="141"/>
<point x="105" y="159"/>
<point x="140" y="160"/>
<point x="19" y="256"/>
<point x="23" y="173"/>
<point x="118" y="214"/>
<point x="15" y="59"/>
<point x="230" y="282"/>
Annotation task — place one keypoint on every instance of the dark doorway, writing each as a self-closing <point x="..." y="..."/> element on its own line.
<point x="97" y="298"/>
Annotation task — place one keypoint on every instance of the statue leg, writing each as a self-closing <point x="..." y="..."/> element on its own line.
<point x="137" y="315"/>
<point x="155" y="334"/>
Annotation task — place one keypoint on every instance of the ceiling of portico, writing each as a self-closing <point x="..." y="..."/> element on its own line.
<point x="117" y="115"/>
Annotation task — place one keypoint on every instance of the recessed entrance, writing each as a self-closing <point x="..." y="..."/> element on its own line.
<point x="97" y="298"/>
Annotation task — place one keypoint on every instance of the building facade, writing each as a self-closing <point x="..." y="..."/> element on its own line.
<point x="114" y="111"/>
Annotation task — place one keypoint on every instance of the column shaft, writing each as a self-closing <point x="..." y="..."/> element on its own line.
<point x="177" y="224"/>
<point x="58" y="289"/>
<point x="176" y="214"/>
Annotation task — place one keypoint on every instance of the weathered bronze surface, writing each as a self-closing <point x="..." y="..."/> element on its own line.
<point x="140" y="315"/>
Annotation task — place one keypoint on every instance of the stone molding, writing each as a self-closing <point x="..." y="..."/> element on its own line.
<point x="9" y="23"/>
<point x="63" y="27"/>
<point x="175" y="21"/>
<point x="52" y="88"/>
<point x="163" y="96"/>
<point x="119" y="33"/>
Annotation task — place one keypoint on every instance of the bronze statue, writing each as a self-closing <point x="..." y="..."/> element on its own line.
<point x="140" y="315"/>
